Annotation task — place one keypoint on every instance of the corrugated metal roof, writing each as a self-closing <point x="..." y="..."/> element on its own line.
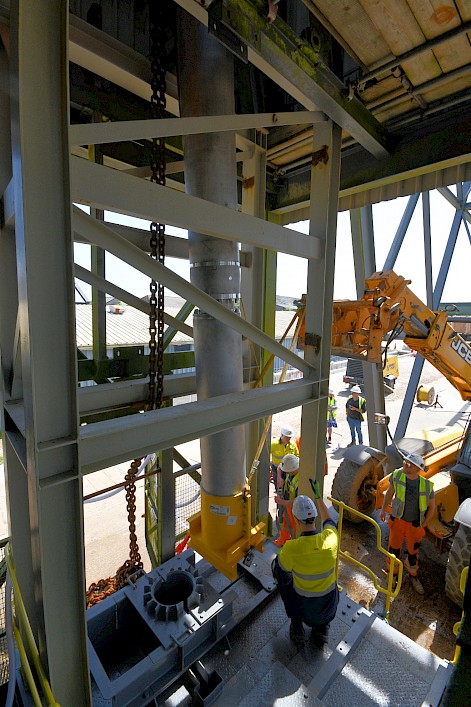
<point x="132" y="327"/>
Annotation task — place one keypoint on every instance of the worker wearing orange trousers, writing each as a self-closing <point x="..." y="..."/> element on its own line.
<point x="286" y="495"/>
<point x="411" y="510"/>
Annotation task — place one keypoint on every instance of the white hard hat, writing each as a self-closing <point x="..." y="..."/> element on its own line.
<point x="356" y="389"/>
<point x="331" y="392"/>
<point x="286" y="431"/>
<point x="304" y="509"/>
<point x="415" y="459"/>
<point x="290" y="462"/>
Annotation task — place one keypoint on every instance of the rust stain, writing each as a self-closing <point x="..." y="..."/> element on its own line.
<point x="443" y="14"/>
<point x="247" y="183"/>
<point x="320" y="156"/>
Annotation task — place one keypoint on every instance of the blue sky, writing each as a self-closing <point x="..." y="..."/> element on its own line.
<point x="292" y="271"/>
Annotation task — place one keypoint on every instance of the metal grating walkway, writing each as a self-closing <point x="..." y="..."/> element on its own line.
<point x="365" y="663"/>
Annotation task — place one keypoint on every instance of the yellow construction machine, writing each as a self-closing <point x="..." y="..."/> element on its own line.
<point x="389" y="308"/>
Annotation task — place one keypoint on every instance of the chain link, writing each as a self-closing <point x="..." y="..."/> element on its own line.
<point x="103" y="588"/>
<point x="157" y="230"/>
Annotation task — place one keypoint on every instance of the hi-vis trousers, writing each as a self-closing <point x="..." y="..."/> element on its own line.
<point x="400" y="530"/>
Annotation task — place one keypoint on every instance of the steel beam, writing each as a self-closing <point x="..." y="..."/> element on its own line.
<point x="105" y="56"/>
<point x="112" y="190"/>
<point x="103" y="444"/>
<point x="175" y="247"/>
<point x="103" y="236"/>
<point x="124" y="296"/>
<point x="119" y="131"/>
<point x="277" y="51"/>
<point x="97" y="398"/>
<point x="46" y="294"/>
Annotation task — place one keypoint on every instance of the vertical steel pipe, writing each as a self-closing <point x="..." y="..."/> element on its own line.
<point x="206" y="87"/>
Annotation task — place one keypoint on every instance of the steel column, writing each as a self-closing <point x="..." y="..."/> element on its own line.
<point x="206" y="74"/>
<point x="325" y="176"/>
<point x="46" y="293"/>
<point x="361" y="221"/>
<point x="258" y="300"/>
<point x="427" y="248"/>
<point x="98" y="268"/>
<point x="401" y="232"/>
<point x="166" y="506"/>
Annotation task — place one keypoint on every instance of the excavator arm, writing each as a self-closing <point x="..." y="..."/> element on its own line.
<point x="388" y="307"/>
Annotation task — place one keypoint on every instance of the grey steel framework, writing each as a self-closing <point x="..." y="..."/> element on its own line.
<point x="46" y="450"/>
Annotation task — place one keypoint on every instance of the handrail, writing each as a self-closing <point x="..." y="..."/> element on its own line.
<point x="389" y="592"/>
<point x="22" y="617"/>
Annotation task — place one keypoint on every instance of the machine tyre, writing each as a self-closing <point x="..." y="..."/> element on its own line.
<point x="458" y="559"/>
<point x="349" y="486"/>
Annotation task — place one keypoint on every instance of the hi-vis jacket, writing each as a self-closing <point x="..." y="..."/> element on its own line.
<point x="331" y="414"/>
<point x="278" y="450"/>
<point x="311" y="560"/>
<point x="398" y="481"/>
<point x="290" y="487"/>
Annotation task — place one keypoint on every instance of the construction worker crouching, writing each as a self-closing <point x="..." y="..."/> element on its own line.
<point x="412" y="508"/>
<point x="287" y="492"/>
<point x="305" y="571"/>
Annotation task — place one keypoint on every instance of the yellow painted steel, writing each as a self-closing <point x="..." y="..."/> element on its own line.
<point x="389" y="592"/>
<point x="22" y="619"/>
<point x="457" y="626"/>
<point x="222" y="532"/>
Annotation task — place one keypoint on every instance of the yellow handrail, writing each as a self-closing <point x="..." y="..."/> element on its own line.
<point x="389" y="592"/>
<point x="26" y="627"/>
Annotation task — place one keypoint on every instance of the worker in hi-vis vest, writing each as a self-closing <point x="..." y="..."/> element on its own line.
<point x="305" y="571"/>
<point x="412" y="508"/>
<point x="280" y="446"/>
<point x="355" y="410"/>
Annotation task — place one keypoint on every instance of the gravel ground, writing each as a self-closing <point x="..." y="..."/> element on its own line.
<point x="426" y="619"/>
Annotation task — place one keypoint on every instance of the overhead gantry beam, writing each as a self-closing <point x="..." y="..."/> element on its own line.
<point x="111" y="190"/>
<point x="113" y="441"/>
<point x="280" y="54"/>
<point x="100" y="133"/>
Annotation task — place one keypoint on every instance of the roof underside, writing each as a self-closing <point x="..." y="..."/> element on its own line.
<point x="395" y="74"/>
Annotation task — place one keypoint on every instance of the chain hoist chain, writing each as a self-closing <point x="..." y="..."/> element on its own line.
<point x="135" y="562"/>
<point x="103" y="588"/>
<point x="157" y="230"/>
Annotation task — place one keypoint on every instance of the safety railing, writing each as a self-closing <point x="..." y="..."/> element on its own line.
<point x="389" y="592"/>
<point x="21" y="626"/>
<point x="458" y="625"/>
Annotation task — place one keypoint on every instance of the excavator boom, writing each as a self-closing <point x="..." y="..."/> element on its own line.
<point x="389" y="307"/>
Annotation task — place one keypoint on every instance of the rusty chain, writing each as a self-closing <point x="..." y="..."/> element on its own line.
<point x="99" y="590"/>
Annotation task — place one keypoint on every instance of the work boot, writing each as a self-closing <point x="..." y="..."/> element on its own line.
<point x="351" y="443"/>
<point x="417" y="584"/>
<point x="320" y="636"/>
<point x="296" y="633"/>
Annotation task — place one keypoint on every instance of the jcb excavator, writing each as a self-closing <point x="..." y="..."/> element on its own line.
<point x="388" y="308"/>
